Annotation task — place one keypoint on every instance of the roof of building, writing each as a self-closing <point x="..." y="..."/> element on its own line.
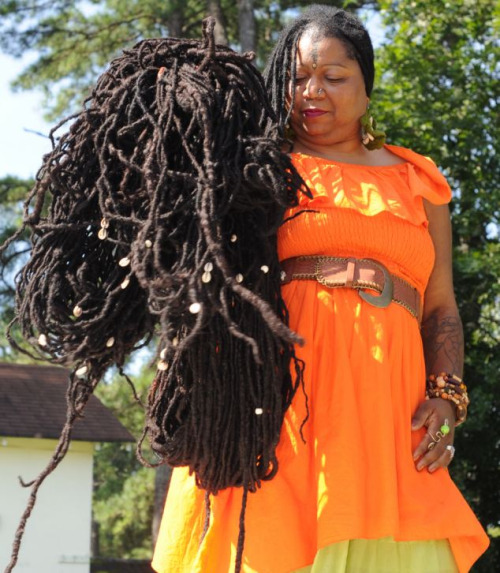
<point x="33" y="405"/>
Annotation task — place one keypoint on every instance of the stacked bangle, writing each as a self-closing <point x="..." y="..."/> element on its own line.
<point x="449" y="387"/>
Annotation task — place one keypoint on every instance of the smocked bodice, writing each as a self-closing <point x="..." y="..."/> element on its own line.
<point x="371" y="212"/>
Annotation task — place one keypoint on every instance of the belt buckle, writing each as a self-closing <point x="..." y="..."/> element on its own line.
<point x="384" y="299"/>
<point x="318" y="272"/>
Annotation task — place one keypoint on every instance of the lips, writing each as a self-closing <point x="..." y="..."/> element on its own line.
<point x="313" y="112"/>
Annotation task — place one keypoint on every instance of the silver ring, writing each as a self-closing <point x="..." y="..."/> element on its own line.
<point x="451" y="449"/>
<point x="320" y="91"/>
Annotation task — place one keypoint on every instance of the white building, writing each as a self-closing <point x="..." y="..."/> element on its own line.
<point x="32" y="413"/>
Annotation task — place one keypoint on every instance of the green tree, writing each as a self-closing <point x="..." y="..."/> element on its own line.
<point x="124" y="528"/>
<point x="124" y="490"/>
<point x="13" y="191"/>
<point x="438" y="94"/>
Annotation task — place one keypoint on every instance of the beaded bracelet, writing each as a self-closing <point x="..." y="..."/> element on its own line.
<point x="449" y="387"/>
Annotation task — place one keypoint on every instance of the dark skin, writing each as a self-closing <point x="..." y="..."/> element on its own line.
<point x="442" y="337"/>
<point x="330" y="99"/>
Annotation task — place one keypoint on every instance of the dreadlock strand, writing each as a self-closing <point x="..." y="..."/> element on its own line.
<point x="241" y="534"/>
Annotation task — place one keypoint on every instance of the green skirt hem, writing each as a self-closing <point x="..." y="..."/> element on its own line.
<point x="384" y="556"/>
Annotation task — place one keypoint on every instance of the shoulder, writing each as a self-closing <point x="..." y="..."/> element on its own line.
<point x="410" y="156"/>
<point x="394" y="155"/>
<point x="432" y="184"/>
<point x="384" y="157"/>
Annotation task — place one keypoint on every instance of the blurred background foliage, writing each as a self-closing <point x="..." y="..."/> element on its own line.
<point x="436" y="92"/>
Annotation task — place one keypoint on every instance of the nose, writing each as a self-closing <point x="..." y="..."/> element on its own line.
<point x="313" y="90"/>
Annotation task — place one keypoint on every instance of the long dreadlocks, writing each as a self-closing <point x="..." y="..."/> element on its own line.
<point x="163" y="201"/>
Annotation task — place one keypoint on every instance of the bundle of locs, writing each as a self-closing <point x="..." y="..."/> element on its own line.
<point x="156" y="215"/>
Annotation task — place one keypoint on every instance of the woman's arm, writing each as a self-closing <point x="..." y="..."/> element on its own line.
<point x="442" y="333"/>
<point x="442" y="338"/>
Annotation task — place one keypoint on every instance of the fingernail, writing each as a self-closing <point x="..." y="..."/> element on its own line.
<point x="420" y="466"/>
<point x="416" y="456"/>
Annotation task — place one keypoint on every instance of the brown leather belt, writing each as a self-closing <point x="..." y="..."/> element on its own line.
<point x="337" y="272"/>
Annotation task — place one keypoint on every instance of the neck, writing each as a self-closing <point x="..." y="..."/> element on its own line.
<point x="342" y="151"/>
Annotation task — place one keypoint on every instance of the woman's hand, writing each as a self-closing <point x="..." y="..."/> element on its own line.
<point x="433" y="414"/>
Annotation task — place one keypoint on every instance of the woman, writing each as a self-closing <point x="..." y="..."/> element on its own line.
<point x="362" y="484"/>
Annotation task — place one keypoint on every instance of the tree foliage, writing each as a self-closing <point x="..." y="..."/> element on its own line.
<point x="13" y="191"/>
<point x="123" y="489"/>
<point x="125" y="518"/>
<point x="438" y="94"/>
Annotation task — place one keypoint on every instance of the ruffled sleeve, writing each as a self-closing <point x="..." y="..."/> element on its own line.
<point x="425" y="179"/>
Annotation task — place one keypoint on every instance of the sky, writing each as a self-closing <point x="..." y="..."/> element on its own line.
<point x="20" y="115"/>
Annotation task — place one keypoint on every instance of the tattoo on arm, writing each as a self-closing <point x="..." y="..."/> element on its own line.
<point x="443" y="340"/>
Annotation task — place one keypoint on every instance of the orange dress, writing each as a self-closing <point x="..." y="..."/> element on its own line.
<point x="354" y="477"/>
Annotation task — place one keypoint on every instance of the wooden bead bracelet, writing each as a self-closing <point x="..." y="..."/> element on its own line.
<point x="449" y="387"/>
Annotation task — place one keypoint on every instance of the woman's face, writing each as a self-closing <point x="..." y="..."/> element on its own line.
<point x="330" y="94"/>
